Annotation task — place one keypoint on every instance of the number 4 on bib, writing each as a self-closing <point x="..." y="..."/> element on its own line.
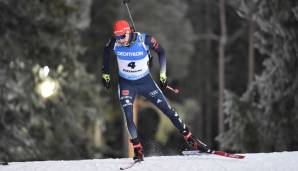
<point x="132" y="65"/>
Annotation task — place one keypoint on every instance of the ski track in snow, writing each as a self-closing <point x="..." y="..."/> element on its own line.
<point x="279" y="161"/>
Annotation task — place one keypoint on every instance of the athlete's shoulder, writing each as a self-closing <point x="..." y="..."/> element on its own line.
<point x="140" y="35"/>
<point x="151" y="41"/>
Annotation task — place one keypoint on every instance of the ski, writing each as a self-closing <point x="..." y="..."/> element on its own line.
<point x="225" y="154"/>
<point x="193" y="152"/>
<point x="130" y="165"/>
<point x="219" y="153"/>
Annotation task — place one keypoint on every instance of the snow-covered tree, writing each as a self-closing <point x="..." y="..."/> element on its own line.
<point x="45" y="33"/>
<point x="272" y="99"/>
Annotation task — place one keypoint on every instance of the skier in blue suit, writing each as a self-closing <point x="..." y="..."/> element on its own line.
<point x="132" y="52"/>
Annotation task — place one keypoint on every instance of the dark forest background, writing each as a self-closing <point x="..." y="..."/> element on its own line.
<point x="235" y="62"/>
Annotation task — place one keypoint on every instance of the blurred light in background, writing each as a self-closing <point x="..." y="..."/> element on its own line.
<point x="48" y="86"/>
<point x="44" y="72"/>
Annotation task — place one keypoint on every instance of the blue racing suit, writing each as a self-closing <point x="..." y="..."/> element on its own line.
<point x="135" y="77"/>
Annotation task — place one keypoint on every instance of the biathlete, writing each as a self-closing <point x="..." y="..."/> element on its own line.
<point x="132" y="52"/>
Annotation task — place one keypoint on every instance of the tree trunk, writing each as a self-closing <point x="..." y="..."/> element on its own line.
<point x="251" y="51"/>
<point x="208" y="88"/>
<point x="221" y="65"/>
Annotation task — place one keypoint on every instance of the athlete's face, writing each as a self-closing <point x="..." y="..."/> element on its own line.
<point x="123" y="39"/>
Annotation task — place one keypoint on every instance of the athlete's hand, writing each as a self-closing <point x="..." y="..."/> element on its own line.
<point x="106" y="80"/>
<point x="163" y="80"/>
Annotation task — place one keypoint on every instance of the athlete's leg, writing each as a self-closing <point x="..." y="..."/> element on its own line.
<point x="152" y="92"/>
<point x="126" y="97"/>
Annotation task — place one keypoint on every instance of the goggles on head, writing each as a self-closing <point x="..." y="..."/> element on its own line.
<point x="120" y="37"/>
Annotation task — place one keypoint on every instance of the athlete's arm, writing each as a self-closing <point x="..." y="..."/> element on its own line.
<point x="154" y="45"/>
<point x="106" y="55"/>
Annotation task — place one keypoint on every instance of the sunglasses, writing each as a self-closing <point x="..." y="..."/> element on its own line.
<point x="120" y="37"/>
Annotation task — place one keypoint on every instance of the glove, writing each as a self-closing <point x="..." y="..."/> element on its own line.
<point x="106" y="80"/>
<point x="163" y="80"/>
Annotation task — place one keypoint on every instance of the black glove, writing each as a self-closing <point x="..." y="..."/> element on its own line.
<point x="106" y="80"/>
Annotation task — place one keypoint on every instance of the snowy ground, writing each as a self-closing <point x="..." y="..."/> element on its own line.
<point x="283" y="161"/>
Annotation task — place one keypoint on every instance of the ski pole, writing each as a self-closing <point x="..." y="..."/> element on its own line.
<point x="175" y="90"/>
<point x="126" y="4"/>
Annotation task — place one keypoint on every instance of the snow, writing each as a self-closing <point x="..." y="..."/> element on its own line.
<point x="279" y="161"/>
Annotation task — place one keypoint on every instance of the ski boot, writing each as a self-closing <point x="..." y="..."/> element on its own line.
<point x="194" y="143"/>
<point x="138" y="150"/>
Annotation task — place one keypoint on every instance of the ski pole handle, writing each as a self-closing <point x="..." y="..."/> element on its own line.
<point x="175" y="90"/>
